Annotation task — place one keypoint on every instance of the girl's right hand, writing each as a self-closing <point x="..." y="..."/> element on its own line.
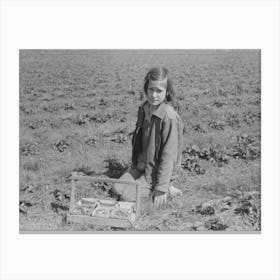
<point x="159" y="198"/>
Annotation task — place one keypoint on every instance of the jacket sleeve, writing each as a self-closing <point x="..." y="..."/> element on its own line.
<point x="137" y="137"/>
<point x="168" y="154"/>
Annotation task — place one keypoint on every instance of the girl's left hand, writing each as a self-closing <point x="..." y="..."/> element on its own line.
<point x="159" y="198"/>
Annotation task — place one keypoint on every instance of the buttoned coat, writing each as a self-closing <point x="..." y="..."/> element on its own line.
<point x="164" y="145"/>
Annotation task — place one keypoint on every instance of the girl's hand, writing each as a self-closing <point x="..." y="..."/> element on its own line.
<point x="159" y="198"/>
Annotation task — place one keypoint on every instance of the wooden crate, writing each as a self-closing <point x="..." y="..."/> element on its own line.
<point x="103" y="212"/>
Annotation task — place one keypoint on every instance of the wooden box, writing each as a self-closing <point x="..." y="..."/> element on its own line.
<point x="103" y="212"/>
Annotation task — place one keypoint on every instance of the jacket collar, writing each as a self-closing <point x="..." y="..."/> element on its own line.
<point x="159" y="112"/>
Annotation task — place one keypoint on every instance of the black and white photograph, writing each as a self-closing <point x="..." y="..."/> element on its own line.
<point x="140" y="140"/>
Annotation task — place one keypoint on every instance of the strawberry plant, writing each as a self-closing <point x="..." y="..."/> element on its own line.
<point x="191" y="164"/>
<point x="218" y="125"/>
<point x="60" y="146"/>
<point x="245" y="147"/>
<point x="212" y="153"/>
<point x="29" y="149"/>
<point x="91" y="141"/>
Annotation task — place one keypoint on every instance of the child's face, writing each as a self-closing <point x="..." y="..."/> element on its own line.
<point x="156" y="92"/>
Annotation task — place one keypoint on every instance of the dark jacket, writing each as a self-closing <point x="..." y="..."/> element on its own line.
<point x="164" y="147"/>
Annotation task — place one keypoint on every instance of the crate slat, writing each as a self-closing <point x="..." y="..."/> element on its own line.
<point x="100" y="179"/>
<point x="123" y="223"/>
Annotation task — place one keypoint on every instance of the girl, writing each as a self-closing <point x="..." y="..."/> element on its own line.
<point x="156" y="143"/>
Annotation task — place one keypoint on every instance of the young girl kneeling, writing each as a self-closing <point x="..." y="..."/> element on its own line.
<point x="156" y="144"/>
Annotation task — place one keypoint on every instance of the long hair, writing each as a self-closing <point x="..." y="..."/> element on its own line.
<point x="159" y="74"/>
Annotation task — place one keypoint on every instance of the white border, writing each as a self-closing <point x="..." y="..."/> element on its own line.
<point x="155" y="24"/>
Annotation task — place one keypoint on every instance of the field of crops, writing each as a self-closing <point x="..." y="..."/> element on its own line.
<point x="77" y="108"/>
